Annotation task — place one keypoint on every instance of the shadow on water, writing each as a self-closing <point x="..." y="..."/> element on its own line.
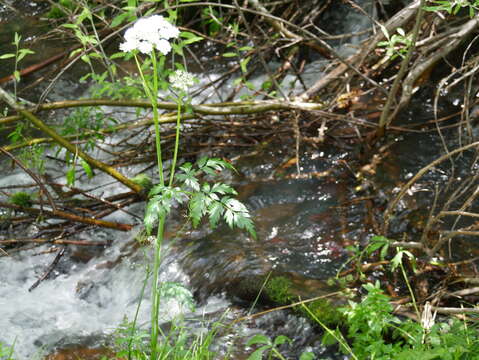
<point x="303" y="223"/>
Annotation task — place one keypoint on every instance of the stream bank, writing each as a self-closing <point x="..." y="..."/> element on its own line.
<point x="315" y="187"/>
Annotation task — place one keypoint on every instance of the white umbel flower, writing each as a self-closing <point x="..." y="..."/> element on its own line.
<point x="149" y="33"/>
<point x="182" y="80"/>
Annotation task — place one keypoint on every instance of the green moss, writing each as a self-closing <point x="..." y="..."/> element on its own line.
<point x="325" y="311"/>
<point x="21" y="198"/>
<point x="278" y="290"/>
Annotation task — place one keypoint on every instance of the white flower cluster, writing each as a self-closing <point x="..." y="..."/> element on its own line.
<point x="182" y="80"/>
<point x="148" y="33"/>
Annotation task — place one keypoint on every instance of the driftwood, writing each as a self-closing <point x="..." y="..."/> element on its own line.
<point x="49" y="270"/>
<point x="58" y="214"/>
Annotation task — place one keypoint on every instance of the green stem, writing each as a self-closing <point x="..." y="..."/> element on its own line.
<point x="335" y="334"/>
<point x="413" y="298"/>
<point x="137" y="312"/>
<point x="152" y="95"/>
<point x="154" y="103"/>
<point x="143" y="81"/>
<point x="155" y="295"/>
<point x="278" y="354"/>
<point x="177" y="142"/>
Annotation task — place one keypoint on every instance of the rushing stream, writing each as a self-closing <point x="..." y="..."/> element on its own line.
<point x="304" y="225"/>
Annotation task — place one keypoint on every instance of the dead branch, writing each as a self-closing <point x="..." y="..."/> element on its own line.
<point x="67" y="145"/>
<point x="67" y="216"/>
<point x="49" y="270"/>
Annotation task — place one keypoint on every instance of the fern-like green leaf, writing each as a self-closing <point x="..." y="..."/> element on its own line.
<point x="197" y="208"/>
<point x="237" y="215"/>
<point x="178" y="292"/>
<point x="160" y="205"/>
<point x="223" y="189"/>
<point x="229" y="217"/>
<point x="235" y="205"/>
<point x="245" y="222"/>
<point x="157" y="189"/>
<point x="215" y="210"/>
<point x="219" y="164"/>
<point x="188" y="177"/>
<point x="153" y="212"/>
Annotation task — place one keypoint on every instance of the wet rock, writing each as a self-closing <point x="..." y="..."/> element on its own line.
<point x="83" y="254"/>
<point x="303" y="230"/>
<point x="83" y="353"/>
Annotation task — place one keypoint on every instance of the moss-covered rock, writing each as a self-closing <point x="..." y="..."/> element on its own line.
<point x="280" y="290"/>
<point x="325" y="311"/>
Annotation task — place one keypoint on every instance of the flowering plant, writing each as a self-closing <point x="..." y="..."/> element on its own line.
<point x="182" y="80"/>
<point x="148" y="33"/>
<point x="151" y="36"/>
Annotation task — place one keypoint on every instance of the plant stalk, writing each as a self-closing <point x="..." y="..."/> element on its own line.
<point x="155" y="295"/>
<point x="177" y="143"/>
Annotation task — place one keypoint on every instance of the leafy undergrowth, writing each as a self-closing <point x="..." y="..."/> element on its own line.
<point x="373" y="332"/>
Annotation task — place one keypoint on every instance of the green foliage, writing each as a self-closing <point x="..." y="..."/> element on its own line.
<point x="143" y="180"/>
<point x="59" y="11"/>
<point x="18" y="55"/>
<point x="6" y="352"/>
<point x="375" y="333"/>
<point x="128" y="88"/>
<point x="453" y="7"/>
<point x="212" y="19"/>
<point x="397" y="44"/>
<point x="368" y="323"/>
<point x="178" y="292"/>
<point x="32" y="157"/>
<point x="241" y="54"/>
<point x="375" y="243"/>
<point x="21" y="198"/>
<point x="83" y="119"/>
<point x="270" y="349"/>
<point x="211" y="200"/>
<point x="278" y="290"/>
<point x="131" y="343"/>
<point x="17" y="134"/>
<point x="323" y="309"/>
<point x="159" y="205"/>
<point x="267" y="346"/>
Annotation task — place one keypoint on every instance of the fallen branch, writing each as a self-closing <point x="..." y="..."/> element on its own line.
<point x="38" y="66"/>
<point x="396" y="21"/>
<point x="386" y="117"/>
<point x="227" y="108"/>
<point x="67" y="216"/>
<point x="53" y="241"/>
<point x="455" y="311"/>
<point x="66" y="144"/>
<point x="49" y="269"/>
